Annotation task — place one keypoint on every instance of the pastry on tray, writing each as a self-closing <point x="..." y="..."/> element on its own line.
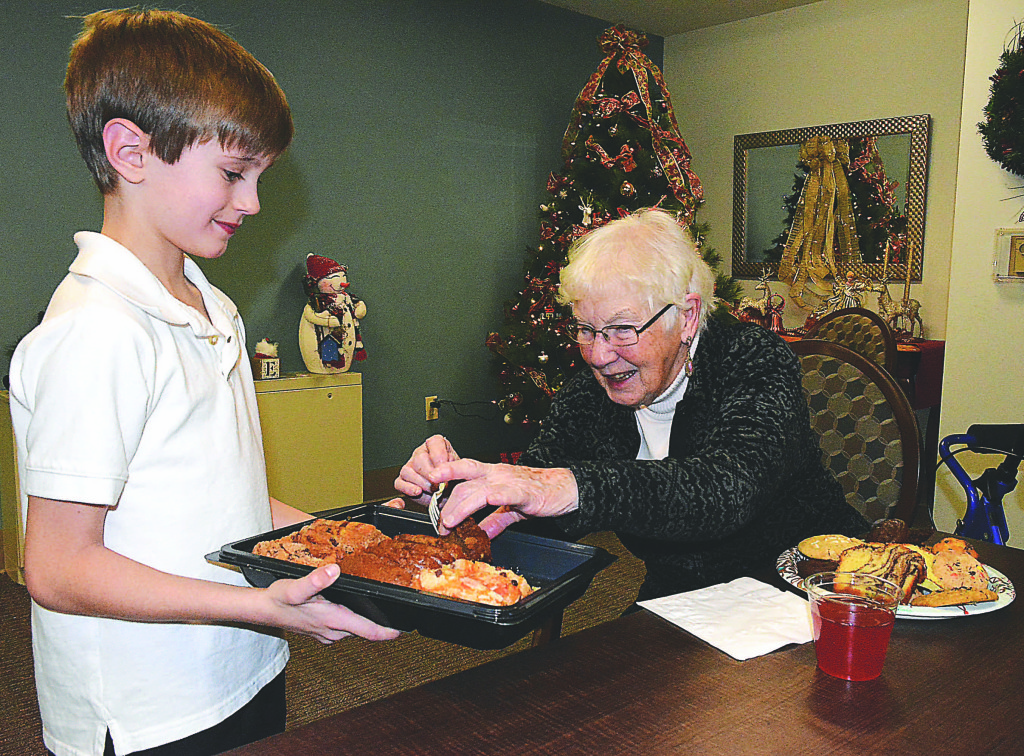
<point x="474" y="581"/>
<point x="361" y="550"/>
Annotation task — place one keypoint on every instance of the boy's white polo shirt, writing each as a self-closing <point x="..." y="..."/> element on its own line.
<point x="125" y="397"/>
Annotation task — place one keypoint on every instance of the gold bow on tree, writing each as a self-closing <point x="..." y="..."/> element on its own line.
<point x="823" y="237"/>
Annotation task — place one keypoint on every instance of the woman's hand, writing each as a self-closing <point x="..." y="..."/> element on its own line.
<point x="295" y="605"/>
<point x="414" y="479"/>
<point x="518" y="492"/>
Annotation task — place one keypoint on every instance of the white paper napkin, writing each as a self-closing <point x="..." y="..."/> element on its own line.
<point x="744" y="618"/>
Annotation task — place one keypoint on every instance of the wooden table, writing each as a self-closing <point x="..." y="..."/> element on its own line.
<point x="640" y="685"/>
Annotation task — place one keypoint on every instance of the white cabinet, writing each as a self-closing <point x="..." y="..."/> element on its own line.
<point x="10" y="499"/>
<point x="313" y="439"/>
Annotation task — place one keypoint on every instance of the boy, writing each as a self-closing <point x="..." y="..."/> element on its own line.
<point x="135" y="414"/>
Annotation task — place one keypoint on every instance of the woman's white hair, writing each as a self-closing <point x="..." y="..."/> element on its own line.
<point x="647" y="253"/>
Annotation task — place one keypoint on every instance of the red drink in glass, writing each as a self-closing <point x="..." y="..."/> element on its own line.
<point x="853" y="617"/>
<point x="851" y="636"/>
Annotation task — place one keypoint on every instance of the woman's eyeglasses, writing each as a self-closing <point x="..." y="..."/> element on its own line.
<point x="615" y="335"/>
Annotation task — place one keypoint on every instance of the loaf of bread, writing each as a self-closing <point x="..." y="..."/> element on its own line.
<point x="892" y="561"/>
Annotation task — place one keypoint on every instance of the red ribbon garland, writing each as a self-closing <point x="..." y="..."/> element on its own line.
<point x="556" y="182"/>
<point x="625" y="155"/>
<point x="495" y="344"/>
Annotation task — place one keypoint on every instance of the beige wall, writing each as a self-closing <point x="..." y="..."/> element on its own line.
<point x="852" y="60"/>
<point x="984" y="371"/>
<point x="829" y="62"/>
<point x="846" y="60"/>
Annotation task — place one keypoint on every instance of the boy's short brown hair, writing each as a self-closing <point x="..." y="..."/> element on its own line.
<point x="179" y="79"/>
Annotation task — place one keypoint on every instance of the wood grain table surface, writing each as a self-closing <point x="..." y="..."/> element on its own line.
<point x="640" y="685"/>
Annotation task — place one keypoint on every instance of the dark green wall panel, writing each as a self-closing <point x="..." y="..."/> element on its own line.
<point x="425" y="130"/>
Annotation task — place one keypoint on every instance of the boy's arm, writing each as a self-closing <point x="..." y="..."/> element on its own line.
<point x="284" y="515"/>
<point x="68" y="569"/>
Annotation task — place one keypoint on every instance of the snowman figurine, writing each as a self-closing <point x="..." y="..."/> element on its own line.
<point x="329" y="339"/>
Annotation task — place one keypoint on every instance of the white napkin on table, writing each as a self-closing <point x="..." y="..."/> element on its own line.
<point x="744" y="618"/>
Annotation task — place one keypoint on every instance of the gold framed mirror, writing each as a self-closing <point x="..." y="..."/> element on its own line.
<point x="887" y="179"/>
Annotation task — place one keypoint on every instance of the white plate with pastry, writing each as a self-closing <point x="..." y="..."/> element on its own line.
<point x="998" y="582"/>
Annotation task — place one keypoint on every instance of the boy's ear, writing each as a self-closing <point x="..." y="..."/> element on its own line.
<point x="127" y="148"/>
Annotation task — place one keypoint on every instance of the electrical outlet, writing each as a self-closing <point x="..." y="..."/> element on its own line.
<point x="432" y="407"/>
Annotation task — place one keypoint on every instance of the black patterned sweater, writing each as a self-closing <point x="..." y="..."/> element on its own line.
<point x="743" y="480"/>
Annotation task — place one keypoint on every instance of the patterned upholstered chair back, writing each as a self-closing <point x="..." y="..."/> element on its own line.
<point x="866" y="428"/>
<point x="861" y="330"/>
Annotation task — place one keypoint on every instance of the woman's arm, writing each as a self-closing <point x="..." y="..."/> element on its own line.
<point x="737" y="433"/>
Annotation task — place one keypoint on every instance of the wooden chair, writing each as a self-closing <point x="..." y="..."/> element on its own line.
<point x="866" y="428"/>
<point x="861" y="330"/>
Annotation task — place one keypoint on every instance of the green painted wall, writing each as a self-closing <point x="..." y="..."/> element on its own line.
<point x="425" y="130"/>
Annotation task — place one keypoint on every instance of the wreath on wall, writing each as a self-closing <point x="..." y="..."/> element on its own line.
<point x="1002" y="131"/>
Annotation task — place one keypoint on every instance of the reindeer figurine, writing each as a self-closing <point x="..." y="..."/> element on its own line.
<point x="766" y="311"/>
<point x="903" y="316"/>
<point x="756" y="310"/>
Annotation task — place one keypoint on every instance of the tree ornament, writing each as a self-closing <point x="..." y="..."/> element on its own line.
<point x="627" y="189"/>
<point x="542" y="358"/>
<point x="509" y="419"/>
<point x="587" y="207"/>
<point x="613" y="129"/>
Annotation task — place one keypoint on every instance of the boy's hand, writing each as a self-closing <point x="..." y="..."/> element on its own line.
<point x="299" y="608"/>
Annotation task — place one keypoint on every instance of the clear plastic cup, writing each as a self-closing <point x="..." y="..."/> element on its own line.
<point x="853" y="616"/>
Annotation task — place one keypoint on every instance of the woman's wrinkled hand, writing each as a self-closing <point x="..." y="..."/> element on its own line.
<point x="414" y="478"/>
<point x="518" y="492"/>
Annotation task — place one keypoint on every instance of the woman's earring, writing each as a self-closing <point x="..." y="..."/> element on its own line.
<point x="687" y="363"/>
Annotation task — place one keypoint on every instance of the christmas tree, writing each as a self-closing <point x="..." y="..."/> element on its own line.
<point x="622" y="151"/>
<point x="876" y="209"/>
<point x="880" y="219"/>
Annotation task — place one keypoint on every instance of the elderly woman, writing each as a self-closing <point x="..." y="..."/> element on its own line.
<point x="688" y="437"/>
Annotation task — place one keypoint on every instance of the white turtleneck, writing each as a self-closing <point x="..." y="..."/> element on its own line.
<point x="655" y="420"/>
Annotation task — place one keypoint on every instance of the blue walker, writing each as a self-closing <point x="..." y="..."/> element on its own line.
<point x="985" y="518"/>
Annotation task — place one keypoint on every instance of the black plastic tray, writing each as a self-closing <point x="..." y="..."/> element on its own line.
<point x="559" y="571"/>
